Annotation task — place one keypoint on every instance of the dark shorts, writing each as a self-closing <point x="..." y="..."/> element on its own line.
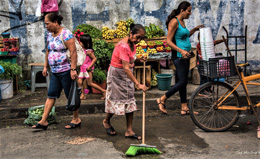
<point x="57" y="82"/>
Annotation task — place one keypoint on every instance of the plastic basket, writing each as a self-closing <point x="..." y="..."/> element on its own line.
<point x="217" y="67"/>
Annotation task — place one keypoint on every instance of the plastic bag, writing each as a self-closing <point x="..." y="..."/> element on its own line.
<point x="49" y="6"/>
<point x="35" y="115"/>
<point x="74" y="97"/>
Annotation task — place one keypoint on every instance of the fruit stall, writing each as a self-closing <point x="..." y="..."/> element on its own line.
<point x="153" y="46"/>
<point x="9" y="49"/>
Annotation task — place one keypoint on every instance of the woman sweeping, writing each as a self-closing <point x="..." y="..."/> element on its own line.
<point x="121" y="82"/>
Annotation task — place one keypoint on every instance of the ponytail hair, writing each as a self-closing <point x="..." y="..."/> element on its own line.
<point x="183" y="5"/>
<point x="134" y="28"/>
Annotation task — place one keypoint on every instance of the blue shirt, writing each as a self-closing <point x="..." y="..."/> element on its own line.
<point x="182" y="38"/>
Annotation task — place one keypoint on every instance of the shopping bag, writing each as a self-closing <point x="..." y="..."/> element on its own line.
<point x="81" y="56"/>
<point x="74" y="97"/>
<point x="49" y="6"/>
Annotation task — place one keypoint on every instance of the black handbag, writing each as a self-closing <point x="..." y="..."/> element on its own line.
<point x="74" y="97"/>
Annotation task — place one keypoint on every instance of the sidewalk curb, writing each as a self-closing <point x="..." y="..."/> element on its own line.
<point x="172" y="103"/>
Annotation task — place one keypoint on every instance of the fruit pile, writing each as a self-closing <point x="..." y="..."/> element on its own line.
<point x="15" y="49"/>
<point x="151" y="51"/>
<point x="121" y="31"/>
<point x="159" y="49"/>
<point x="139" y="50"/>
<point x="168" y="49"/>
<point x="153" y="31"/>
<point x="4" y="49"/>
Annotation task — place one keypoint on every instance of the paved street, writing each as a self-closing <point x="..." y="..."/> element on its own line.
<point x="176" y="136"/>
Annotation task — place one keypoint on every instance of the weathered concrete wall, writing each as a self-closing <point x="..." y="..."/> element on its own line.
<point x="18" y="17"/>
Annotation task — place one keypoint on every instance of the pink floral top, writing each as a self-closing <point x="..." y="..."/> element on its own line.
<point x="57" y="53"/>
<point x="121" y="52"/>
<point x="87" y="62"/>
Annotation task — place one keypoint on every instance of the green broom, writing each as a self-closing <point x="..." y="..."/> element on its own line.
<point x="135" y="149"/>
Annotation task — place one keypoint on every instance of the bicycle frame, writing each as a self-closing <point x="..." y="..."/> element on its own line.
<point x="245" y="80"/>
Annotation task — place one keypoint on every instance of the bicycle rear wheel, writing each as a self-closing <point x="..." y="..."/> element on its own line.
<point x="203" y="109"/>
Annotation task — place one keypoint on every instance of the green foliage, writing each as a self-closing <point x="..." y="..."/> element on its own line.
<point x="153" y="31"/>
<point x="94" y="32"/>
<point x="103" y="52"/>
<point x="99" y="76"/>
<point x="10" y="70"/>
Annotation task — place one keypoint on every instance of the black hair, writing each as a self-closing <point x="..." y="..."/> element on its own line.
<point x="183" y="5"/>
<point x="134" y="28"/>
<point x="54" y="17"/>
<point x="86" y="40"/>
<point x="198" y="35"/>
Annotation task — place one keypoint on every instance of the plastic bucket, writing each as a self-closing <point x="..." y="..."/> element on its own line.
<point x="171" y="72"/>
<point x="6" y="87"/>
<point x="164" y="81"/>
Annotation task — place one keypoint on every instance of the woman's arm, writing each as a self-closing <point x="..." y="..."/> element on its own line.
<point x="73" y="56"/>
<point x="46" y="64"/>
<point x="93" y="57"/>
<point x="131" y="76"/>
<point x="195" y="29"/>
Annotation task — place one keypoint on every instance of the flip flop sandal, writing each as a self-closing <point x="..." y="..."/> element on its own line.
<point x="135" y="136"/>
<point x="109" y="130"/>
<point x="73" y="125"/>
<point x="39" y="126"/>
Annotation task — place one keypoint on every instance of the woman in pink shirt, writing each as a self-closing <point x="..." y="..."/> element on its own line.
<point x="121" y="82"/>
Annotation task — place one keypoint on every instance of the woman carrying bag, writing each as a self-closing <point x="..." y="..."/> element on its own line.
<point x="63" y="71"/>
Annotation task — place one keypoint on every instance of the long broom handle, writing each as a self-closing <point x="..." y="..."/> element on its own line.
<point x="143" y="117"/>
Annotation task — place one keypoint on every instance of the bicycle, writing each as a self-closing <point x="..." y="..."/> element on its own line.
<point x="219" y="110"/>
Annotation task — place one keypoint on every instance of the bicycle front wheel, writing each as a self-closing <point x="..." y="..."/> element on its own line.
<point x="203" y="106"/>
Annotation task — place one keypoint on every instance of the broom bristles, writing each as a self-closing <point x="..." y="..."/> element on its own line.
<point x="142" y="149"/>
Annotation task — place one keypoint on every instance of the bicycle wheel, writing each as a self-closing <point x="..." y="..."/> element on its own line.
<point x="203" y="109"/>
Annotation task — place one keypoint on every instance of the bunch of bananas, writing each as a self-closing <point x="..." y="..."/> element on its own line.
<point x="129" y="21"/>
<point x="121" y="31"/>
<point x="107" y="33"/>
<point x="152" y="51"/>
<point x="154" y="79"/>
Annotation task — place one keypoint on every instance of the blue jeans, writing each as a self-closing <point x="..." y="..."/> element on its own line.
<point x="182" y="72"/>
<point x="59" y="81"/>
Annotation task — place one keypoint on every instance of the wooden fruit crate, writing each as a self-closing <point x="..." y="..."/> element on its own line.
<point x="138" y="72"/>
